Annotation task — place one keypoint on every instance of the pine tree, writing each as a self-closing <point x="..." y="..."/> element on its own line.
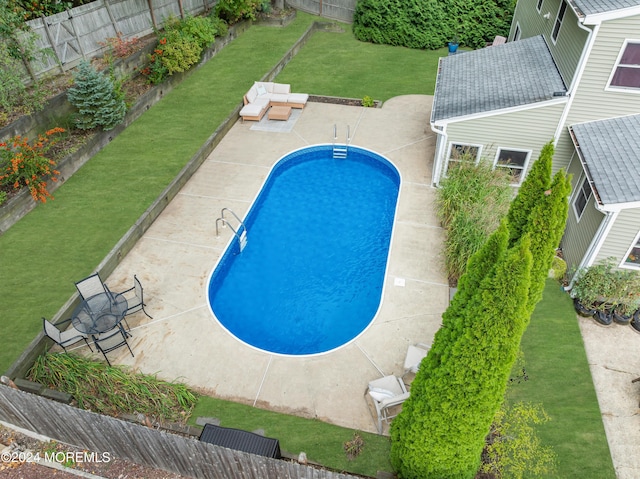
<point x="96" y="98"/>
<point x="442" y="428"/>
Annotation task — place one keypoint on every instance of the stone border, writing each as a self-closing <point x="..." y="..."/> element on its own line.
<point x="41" y="343"/>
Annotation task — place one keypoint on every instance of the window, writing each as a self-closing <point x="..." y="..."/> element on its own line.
<point x="633" y="257"/>
<point x="460" y="153"/>
<point x="556" y="27"/>
<point x="626" y="73"/>
<point x="581" y="198"/>
<point x="539" y="5"/>
<point x="515" y="161"/>
<point x="516" y="33"/>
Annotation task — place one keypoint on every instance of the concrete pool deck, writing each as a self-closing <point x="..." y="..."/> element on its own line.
<point x="176" y="255"/>
<point x="183" y="341"/>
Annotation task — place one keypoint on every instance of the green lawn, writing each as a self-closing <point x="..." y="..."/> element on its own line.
<point x="322" y="442"/>
<point x="339" y="65"/>
<point x="560" y="379"/>
<point x="64" y="240"/>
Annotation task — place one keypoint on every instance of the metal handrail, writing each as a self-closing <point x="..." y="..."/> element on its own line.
<point x="242" y="237"/>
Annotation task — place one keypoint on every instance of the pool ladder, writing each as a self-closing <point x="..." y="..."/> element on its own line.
<point x="340" y="151"/>
<point x="241" y="235"/>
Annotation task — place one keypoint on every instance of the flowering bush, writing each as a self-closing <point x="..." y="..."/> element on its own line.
<point x="23" y="164"/>
<point x="121" y="47"/>
<point x="181" y="45"/>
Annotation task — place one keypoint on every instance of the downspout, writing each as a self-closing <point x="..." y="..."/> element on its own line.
<point x="437" y="161"/>
<point x="577" y="77"/>
<point x="437" y="164"/>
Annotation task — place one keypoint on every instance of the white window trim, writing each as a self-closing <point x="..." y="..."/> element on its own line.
<point x="525" y="167"/>
<point x="563" y="2"/>
<point x="539" y="5"/>
<point x="517" y="32"/>
<point x="615" y="67"/>
<point x="450" y="147"/>
<point x="623" y="263"/>
<point x="578" y="189"/>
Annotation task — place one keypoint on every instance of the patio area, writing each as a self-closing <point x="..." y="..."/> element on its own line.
<point x="173" y="261"/>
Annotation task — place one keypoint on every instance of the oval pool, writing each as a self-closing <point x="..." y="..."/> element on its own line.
<point x="311" y="276"/>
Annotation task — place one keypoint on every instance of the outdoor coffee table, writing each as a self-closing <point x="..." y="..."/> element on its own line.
<point x="279" y="113"/>
<point x="100" y="313"/>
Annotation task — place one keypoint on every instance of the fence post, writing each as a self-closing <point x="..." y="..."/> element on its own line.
<point x="181" y="9"/>
<point x="153" y="15"/>
<point x="112" y="18"/>
<point x="51" y="42"/>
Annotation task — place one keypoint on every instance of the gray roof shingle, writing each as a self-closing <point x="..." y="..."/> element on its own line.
<point x="611" y="152"/>
<point x="592" y="7"/>
<point x="502" y="76"/>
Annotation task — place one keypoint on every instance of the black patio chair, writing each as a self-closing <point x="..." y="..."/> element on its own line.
<point x="135" y="299"/>
<point x="64" y="338"/>
<point x="110" y="341"/>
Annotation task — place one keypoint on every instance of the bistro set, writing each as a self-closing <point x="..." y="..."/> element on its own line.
<point x="99" y="317"/>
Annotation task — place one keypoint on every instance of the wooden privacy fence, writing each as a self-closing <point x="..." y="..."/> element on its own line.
<point x="182" y="455"/>
<point x="77" y="34"/>
<point x="341" y="10"/>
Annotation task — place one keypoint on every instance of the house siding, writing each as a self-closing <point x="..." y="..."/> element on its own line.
<point x="621" y="235"/>
<point x="578" y="234"/>
<point x="571" y="40"/>
<point x="590" y="100"/>
<point x="591" y="90"/>
<point x="502" y="130"/>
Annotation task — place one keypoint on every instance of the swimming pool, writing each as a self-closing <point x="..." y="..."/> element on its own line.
<point x="311" y="276"/>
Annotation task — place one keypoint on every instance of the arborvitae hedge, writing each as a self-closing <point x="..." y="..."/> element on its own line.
<point x="431" y="24"/>
<point x="460" y="385"/>
<point x="442" y="428"/>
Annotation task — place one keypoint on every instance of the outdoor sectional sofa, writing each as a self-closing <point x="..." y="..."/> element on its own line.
<point x="263" y="95"/>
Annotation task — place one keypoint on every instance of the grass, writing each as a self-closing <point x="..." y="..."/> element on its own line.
<point x="60" y="242"/>
<point x="339" y="65"/>
<point x="322" y="442"/>
<point x="560" y="379"/>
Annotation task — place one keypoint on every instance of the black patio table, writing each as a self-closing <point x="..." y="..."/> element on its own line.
<point x="99" y="313"/>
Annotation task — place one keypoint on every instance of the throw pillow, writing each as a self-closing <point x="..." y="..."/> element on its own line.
<point x="261" y="90"/>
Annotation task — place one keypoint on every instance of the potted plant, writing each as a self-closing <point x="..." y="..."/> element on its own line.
<point x="593" y="290"/>
<point x="627" y="296"/>
<point x="453" y="45"/>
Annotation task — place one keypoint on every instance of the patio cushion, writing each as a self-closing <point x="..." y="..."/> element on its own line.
<point x="252" y="94"/>
<point x="252" y="109"/>
<point x="283" y="88"/>
<point x="279" y="97"/>
<point x="298" y="98"/>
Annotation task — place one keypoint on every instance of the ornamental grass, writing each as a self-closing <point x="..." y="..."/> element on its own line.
<point x="113" y="390"/>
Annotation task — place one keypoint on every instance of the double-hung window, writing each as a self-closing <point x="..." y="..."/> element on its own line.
<point x="633" y="256"/>
<point x="581" y="198"/>
<point x="515" y="161"/>
<point x="559" y="18"/>
<point x="460" y="153"/>
<point x="626" y="73"/>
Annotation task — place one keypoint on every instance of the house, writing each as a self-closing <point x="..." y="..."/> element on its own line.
<point x="569" y="72"/>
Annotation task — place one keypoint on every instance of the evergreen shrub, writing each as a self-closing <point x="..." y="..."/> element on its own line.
<point x="97" y="99"/>
<point x="430" y="24"/>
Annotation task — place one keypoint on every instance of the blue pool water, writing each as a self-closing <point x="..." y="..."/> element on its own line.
<point x="311" y="275"/>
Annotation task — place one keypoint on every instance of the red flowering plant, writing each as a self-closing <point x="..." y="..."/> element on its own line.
<point x="156" y="71"/>
<point x="24" y="164"/>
